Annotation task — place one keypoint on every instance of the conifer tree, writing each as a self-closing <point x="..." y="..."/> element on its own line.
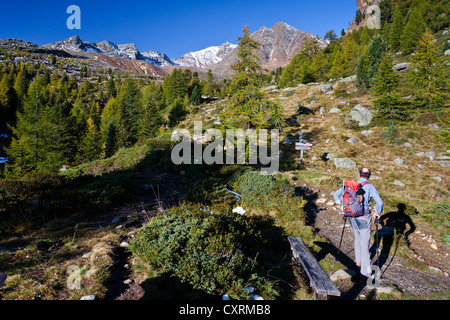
<point x="388" y="102"/>
<point x="247" y="102"/>
<point x="91" y="146"/>
<point x="111" y="88"/>
<point x="412" y="32"/>
<point x="25" y="152"/>
<point x="129" y="113"/>
<point x="375" y="54"/>
<point x="396" y="30"/>
<point x="110" y="139"/>
<point x="153" y="103"/>
<point x="426" y="73"/>
<point x="177" y="113"/>
<point x="362" y="72"/>
<point x="196" y="96"/>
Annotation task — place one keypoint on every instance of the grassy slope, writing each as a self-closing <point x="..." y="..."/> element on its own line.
<point x="328" y="131"/>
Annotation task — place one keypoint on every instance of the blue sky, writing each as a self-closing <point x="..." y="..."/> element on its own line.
<point x="173" y="27"/>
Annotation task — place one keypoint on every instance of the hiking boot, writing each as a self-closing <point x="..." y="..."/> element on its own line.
<point x="359" y="278"/>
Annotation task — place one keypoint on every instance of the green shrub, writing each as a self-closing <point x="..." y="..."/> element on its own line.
<point x="214" y="252"/>
<point x="269" y="193"/>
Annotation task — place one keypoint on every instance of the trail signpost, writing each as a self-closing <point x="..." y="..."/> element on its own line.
<point x="302" y="145"/>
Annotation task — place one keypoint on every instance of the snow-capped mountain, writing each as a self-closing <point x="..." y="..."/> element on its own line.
<point x="157" y="58"/>
<point x="279" y="44"/>
<point x="206" y="57"/>
<point x="110" y="49"/>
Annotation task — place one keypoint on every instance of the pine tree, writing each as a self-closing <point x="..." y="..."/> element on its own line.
<point x="110" y="139"/>
<point x="412" y="32"/>
<point x="362" y="72"/>
<point x="111" y="88"/>
<point x="396" y="30"/>
<point x="129" y="113"/>
<point x="388" y="104"/>
<point x="196" y="96"/>
<point x="247" y="102"/>
<point x="426" y="73"/>
<point x="177" y="113"/>
<point x="385" y="12"/>
<point x="91" y="146"/>
<point x="25" y="153"/>
<point x="375" y="54"/>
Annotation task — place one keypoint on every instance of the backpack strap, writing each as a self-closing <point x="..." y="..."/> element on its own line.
<point x="363" y="184"/>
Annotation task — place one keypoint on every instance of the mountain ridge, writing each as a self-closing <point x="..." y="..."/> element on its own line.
<point x="125" y="51"/>
<point x="279" y="44"/>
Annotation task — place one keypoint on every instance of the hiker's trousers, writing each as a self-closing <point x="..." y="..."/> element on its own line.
<point x="361" y="227"/>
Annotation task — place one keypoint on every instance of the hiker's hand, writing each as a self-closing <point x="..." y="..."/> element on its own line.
<point x="377" y="216"/>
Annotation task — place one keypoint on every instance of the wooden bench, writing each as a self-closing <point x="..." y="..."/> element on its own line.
<point x="2" y="278"/>
<point x="319" y="279"/>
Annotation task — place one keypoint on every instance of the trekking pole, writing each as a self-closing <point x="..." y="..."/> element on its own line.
<point x="342" y="235"/>
<point x="345" y="217"/>
<point x="377" y="242"/>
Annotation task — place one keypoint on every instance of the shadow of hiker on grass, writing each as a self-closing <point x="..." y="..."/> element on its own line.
<point x="394" y="225"/>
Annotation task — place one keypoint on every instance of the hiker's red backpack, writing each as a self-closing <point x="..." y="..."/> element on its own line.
<point x="352" y="199"/>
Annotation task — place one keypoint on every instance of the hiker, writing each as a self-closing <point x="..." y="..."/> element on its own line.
<point x="361" y="225"/>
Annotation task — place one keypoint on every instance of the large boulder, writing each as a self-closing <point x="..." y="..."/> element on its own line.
<point x="361" y="115"/>
<point x="324" y="87"/>
<point x="401" y="66"/>
<point x="344" y="163"/>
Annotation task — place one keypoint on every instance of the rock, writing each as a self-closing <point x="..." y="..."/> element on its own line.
<point x="447" y="52"/>
<point x="438" y="179"/>
<point x="333" y="129"/>
<point x="349" y="79"/>
<point x="64" y="168"/>
<point x="444" y="163"/>
<point x="321" y="110"/>
<point x="124" y="244"/>
<point x="301" y="85"/>
<point x="344" y="163"/>
<point x="88" y="297"/>
<point x="270" y="87"/>
<point x="420" y="154"/>
<point x="116" y="220"/>
<point x="429" y="154"/>
<point x="87" y="255"/>
<point x="385" y="290"/>
<point x="342" y="275"/>
<point x="420" y="166"/>
<point x="351" y="140"/>
<point x="128" y="281"/>
<point x="239" y="210"/>
<point x="407" y="144"/>
<point x="328" y="156"/>
<point x="365" y="133"/>
<point x="361" y="115"/>
<point x="325" y="87"/>
<point x="399" y="183"/>
<point x="399" y="161"/>
<point x="401" y="66"/>
<point x="311" y="93"/>
<point x="313" y="100"/>
<point x="334" y="110"/>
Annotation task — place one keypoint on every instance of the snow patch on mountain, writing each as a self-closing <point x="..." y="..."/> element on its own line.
<point x="205" y="57"/>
